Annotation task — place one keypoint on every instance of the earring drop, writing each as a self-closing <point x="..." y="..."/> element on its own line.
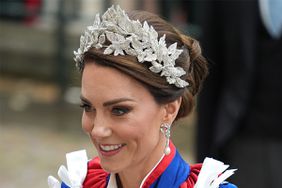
<point x="165" y="129"/>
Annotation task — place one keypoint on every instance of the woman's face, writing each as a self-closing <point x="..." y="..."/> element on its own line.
<point x="121" y="117"/>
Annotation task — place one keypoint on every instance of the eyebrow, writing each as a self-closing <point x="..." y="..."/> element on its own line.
<point x="84" y="99"/>
<point x="108" y="103"/>
<point x="115" y="101"/>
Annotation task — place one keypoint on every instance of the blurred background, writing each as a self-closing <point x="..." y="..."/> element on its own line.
<point x="238" y="114"/>
<point x="40" y="87"/>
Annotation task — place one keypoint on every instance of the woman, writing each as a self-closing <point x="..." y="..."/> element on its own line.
<point x="138" y="77"/>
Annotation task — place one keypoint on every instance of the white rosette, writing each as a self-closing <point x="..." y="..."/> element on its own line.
<point x="213" y="173"/>
<point x="74" y="175"/>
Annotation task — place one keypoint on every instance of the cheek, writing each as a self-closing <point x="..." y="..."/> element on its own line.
<point x="143" y="143"/>
<point x="149" y="123"/>
<point x="149" y="133"/>
<point x="143" y="133"/>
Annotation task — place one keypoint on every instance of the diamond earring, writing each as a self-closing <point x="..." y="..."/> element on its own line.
<point x="165" y="129"/>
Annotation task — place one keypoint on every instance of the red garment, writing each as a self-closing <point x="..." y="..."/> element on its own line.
<point x="97" y="177"/>
<point x="193" y="176"/>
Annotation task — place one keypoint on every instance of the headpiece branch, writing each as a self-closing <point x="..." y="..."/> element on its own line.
<point x="130" y="37"/>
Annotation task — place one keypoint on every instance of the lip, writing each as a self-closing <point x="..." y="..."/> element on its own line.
<point x="111" y="152"/>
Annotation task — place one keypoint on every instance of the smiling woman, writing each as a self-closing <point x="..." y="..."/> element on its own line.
<point x="124" y="120"/>
<point x="139" y="75"/>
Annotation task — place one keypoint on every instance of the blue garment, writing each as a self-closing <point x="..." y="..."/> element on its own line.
<point x="63" y="185"/>
<point x="175" y="174"/>
<point x="227" y="185"/>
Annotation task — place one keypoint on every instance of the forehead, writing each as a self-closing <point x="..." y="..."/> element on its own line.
<point x="106" y="82"/>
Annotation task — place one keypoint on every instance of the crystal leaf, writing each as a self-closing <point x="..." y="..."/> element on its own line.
<point x="130" y="37"/>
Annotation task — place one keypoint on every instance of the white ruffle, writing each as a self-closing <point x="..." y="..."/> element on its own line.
<point x="74" y="175"/>
<point x="213" y="173"/>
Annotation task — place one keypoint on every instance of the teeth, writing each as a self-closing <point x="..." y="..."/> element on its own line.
<point x="110" y="147"/>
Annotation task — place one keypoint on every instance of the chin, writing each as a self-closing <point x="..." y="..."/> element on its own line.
<point x="111" y="167"/>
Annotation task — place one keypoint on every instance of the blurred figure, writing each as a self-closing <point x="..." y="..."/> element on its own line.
<point x="240" y="106"/>
<point x="32" y="8"/>
<point x="20" y="10"/>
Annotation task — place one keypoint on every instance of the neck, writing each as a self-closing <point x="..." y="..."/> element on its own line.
<point x="133" y="176"/>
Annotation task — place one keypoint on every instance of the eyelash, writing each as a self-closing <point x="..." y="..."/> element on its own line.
<point x="86" y="107"/>
<point x="120" y="111"/>
<point x="117" y="111"/>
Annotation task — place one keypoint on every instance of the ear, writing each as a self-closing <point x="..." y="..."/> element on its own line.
<point x="171" y="110"/>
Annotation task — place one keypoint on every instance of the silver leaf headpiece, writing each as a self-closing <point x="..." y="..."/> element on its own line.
<point x="130" y="37"/>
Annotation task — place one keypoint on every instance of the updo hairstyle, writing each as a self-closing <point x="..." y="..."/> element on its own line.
<point x="191" y="60"/>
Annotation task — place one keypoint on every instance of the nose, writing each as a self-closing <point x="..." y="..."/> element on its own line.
<point x="100" y="130"/>
<point x="98" y="126"/>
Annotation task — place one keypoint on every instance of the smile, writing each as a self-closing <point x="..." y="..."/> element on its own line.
<point x="110" y="149"/>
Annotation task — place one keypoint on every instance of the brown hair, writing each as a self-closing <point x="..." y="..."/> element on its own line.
<point x="190" y="60"/>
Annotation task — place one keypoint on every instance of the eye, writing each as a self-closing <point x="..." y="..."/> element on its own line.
<point x="119" y="111"/>
<point x="86" y="107"/>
